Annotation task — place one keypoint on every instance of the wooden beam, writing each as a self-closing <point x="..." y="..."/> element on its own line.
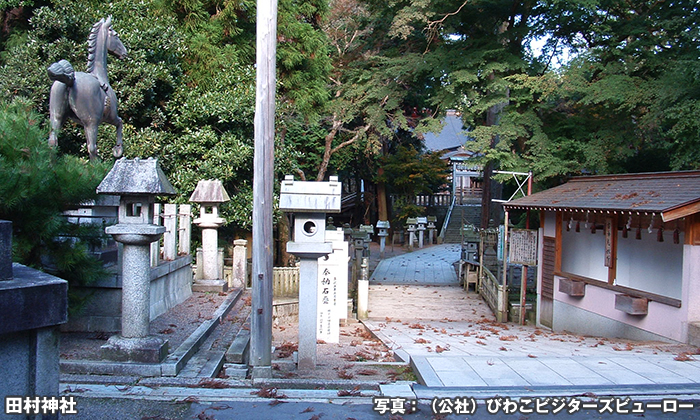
<point x="557" y="241"/>
<point x="678" y="212"/>
<point x="622" y="289"/>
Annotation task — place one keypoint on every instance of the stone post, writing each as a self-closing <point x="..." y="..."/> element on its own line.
<point x="210" y="194"/>
<point x="363" y="290"/>
<point x="184" y="229"/>
<point x="138" y="182"/>
<point x="170" y="235"/>
<point x="240" y="264"/>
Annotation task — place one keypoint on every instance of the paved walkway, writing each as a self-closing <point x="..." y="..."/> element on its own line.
<point x="456" y="346"/>
<point x="429" y="265"/>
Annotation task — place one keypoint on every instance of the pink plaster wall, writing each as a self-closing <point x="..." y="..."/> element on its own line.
<point x="664" y="320"/>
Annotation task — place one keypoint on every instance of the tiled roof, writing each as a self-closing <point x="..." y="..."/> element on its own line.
<point x="672" y="194"/>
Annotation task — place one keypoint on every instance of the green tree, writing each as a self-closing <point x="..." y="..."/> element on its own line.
<point x="37" y="186"/>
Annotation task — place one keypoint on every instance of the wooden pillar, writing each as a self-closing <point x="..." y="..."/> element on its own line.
<point x="263" y="177"/>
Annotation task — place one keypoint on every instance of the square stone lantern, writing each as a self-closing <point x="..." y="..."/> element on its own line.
<point x="309" y="201"/>
<point x="137" y="182"/>
<point x="210" y="194"/>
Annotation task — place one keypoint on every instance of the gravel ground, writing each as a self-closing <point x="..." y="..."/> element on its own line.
<point x="175" y="326"/>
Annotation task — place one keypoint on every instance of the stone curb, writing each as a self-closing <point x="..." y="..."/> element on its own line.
<point x="177" y="360"/>
<point x="171" y="366"/>
<point x="635" y="392"/>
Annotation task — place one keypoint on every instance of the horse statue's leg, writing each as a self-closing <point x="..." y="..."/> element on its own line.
<point x="118" y="149"/>
<point x="58" y="110"/>
<point x="91" y="138"/>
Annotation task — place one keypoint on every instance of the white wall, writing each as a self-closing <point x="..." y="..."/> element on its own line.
<point x="645" y="264"/>
<point x="583" y="253"/>
<point x="649" y="265"/>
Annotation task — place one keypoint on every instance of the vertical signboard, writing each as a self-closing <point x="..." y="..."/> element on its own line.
<point x="332" y="288"/>
<point x="522" y="246"/>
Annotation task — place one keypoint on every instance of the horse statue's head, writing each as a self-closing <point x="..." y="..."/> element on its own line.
<point x="114" y="44"/>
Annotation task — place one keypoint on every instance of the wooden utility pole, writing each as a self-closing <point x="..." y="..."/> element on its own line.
<point x="263" y="176"/>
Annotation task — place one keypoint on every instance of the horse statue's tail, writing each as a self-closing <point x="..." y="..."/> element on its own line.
<point x="63" y="72"/>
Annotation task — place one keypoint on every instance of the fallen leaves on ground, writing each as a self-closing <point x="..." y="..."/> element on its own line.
<point x="684" y="357"/>
<point x="266" y="392"/>
<point x="286" y="349"/>
<point x="355" y="392"/>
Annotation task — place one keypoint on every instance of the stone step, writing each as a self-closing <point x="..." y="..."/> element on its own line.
<point x="240" y="347"/>
<point x="213" y="365"/>
<point x="206" y="364"/>
<point x="215" y="286"/>
<point x="235" y="370"/>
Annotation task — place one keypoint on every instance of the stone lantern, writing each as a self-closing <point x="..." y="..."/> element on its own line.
<point x="309" y="201"/>
<point x="137" y="182"/>
<point x="383" y="226"/>
<point x="209" y="194"/>
<point x="431" y="229"/>
<point x="411" y="222"/>
<point x="422" y="221"/>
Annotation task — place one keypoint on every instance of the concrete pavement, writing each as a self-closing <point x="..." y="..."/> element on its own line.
<point x="456" y="347"/>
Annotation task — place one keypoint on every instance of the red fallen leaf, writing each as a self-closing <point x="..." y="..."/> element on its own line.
<point x="683" y="357"/>
<point x="532" y="356"/>
<point x="480" y="342"/>
<point x="441" y="349"/>
<point x="421" y="341"/>
<point x="503" y="349"/>
<point x="320" y="342"/>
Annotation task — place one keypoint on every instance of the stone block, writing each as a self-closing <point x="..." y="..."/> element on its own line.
<point x="631" y="305"/>
<point x="144" y="350"/>
<point x="572" y="287"/>
<point x="31" y="300"/>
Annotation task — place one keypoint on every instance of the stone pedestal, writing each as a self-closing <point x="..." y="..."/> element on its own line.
<point x="32" y="306"/>
<point x="135" y="343"/>
<point x="309" y="253"/>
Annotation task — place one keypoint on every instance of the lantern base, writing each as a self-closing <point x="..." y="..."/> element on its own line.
<point x="144" y="350"/>
<point x="210" y="286"/>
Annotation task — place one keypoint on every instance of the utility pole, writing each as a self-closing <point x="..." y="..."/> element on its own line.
<point x="263" y="177"/>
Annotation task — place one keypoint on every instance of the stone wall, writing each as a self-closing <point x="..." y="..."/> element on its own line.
<point x="171" y="284"/>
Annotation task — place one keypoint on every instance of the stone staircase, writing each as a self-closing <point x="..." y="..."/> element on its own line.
<point x="460" y="216"/>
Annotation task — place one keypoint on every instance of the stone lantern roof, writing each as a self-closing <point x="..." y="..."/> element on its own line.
<point x="209" y="191"/>
<point x="136" y="177"/>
